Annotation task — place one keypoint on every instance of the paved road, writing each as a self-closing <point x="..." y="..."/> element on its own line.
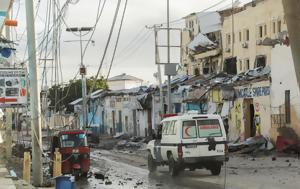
<point x="135" y="175"/>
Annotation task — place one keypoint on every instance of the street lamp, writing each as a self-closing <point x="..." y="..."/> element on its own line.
<point x="82" y="73"/>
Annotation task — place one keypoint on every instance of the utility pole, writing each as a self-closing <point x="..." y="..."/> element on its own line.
<point x="83" y="74"/>
<point x="169" y="59"/>
<point x="36" y="135"/>
<point x="8" y="111"/>
<point x="157" y="62"/>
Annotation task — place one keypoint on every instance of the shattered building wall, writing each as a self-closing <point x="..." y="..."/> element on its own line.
<point x="250" y="113"/>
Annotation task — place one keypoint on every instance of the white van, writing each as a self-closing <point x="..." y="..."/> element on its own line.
<point x="189" y="141"/>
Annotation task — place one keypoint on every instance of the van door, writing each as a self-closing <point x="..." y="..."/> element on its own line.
<point x="211" y="137"/>
<point x="190" y="139"/>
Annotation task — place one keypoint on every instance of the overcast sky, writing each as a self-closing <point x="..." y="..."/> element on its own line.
<point x="136" y="59"/>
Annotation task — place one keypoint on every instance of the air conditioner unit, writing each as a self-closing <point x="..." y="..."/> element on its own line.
<point x="227" y="49"/>
<point x="259" y="42"/>
<point x="245" y="45"/>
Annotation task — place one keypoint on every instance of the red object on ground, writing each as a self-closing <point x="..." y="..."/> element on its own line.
<point x="283" y="143"/>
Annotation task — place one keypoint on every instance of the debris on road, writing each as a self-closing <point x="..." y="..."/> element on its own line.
<point x="99" y="175"/>
<point x="252" y="144"/>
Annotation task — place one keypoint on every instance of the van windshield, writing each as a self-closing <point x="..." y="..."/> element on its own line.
<point x="209" y="128"/>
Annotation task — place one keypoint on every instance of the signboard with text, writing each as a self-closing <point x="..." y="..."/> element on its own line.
<point x="13" y="87"/>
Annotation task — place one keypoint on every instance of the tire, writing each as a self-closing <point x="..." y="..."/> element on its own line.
<point x="216" y="169"/>
<point x="151" y="163"/>
<point x="173" y="169"/>
<point x="84" y="175"/>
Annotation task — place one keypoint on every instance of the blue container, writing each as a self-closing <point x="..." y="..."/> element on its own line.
<point x="64" y="182"/>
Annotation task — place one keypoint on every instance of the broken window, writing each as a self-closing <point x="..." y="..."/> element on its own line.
<point x="206" y="68"/>
<point x="196" y="71"/>
<point x="261" y="61"/>
<point x="230" y="66"/>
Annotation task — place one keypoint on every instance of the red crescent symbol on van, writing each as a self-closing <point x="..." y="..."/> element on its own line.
<point x="186" y="131"/>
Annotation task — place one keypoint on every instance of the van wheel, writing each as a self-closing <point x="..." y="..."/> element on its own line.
<point x="216" y="169"/>
<point x="173" y="170"/>
<point x="151" y="163"/>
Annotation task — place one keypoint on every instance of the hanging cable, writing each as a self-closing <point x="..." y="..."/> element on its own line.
<point x="106" y="47"/>
<point x="117" y="41"/>
<point x="99" y="13"/>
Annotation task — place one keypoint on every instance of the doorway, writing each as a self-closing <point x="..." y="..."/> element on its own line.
<point x="249" y="125"/>
<point x="114" y="123"/>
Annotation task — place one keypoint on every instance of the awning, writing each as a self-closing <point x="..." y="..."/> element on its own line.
<point x="195" y="95"/>
<point x="209" y="53"/>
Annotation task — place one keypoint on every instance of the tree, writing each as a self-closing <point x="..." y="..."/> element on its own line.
<point x="61" y="96"/>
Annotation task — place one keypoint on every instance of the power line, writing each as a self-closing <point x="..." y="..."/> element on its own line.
<point x="106" y="46"/>
<point x="117" y="41"/>
<point x="95" y="25"/>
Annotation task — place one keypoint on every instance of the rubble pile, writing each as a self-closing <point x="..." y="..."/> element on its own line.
<point x="250" y="145"/>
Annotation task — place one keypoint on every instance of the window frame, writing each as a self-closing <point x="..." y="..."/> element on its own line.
<point x="198" y="130"/>
<point x="182" y="130"/>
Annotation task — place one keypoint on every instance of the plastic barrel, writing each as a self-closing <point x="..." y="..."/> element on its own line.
<point x="64" y="182"/>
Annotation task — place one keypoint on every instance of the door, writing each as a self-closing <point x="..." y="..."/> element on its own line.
<point x="102" y="124"/>
<point x="120" y="125"/>
<point x="211" y="137"/>
<point x="134" y="123"/>
<point x="114" y="123"/>
<point x="248" y="115"/>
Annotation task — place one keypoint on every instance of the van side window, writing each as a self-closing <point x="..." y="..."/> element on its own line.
<point x="209" y="128"/>
<point x="189" y="129"/>
<point x="172" y="128"/>
<point x="165" y="127"/>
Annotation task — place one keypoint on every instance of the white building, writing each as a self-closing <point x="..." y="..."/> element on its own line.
<point x="123" y="81"/>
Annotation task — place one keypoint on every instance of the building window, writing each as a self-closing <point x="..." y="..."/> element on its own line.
<point x="261" y="61"/>
<point x="241" y="65"/>
<point x="279" y="26"/>
<point x="228" y="39"/>
<point x="196" y="71"/>
<point x="274" y="27"/>
<point x="247" y="64"/>
<point x="260" y="31"/>
<point x="230" y="66"/>
<point x="240" y="36"/>
<point x="265" y="30"/>
<point x="246" y="35"/>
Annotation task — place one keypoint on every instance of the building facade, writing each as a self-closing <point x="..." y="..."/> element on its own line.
<point x="201" y="43"/>
<point x="123" y="81"/>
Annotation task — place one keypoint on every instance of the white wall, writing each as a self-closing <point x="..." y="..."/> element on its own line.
<point x="283" y="78"/>
<point x="132" y="84"/>
<point x="116" y="85"/>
